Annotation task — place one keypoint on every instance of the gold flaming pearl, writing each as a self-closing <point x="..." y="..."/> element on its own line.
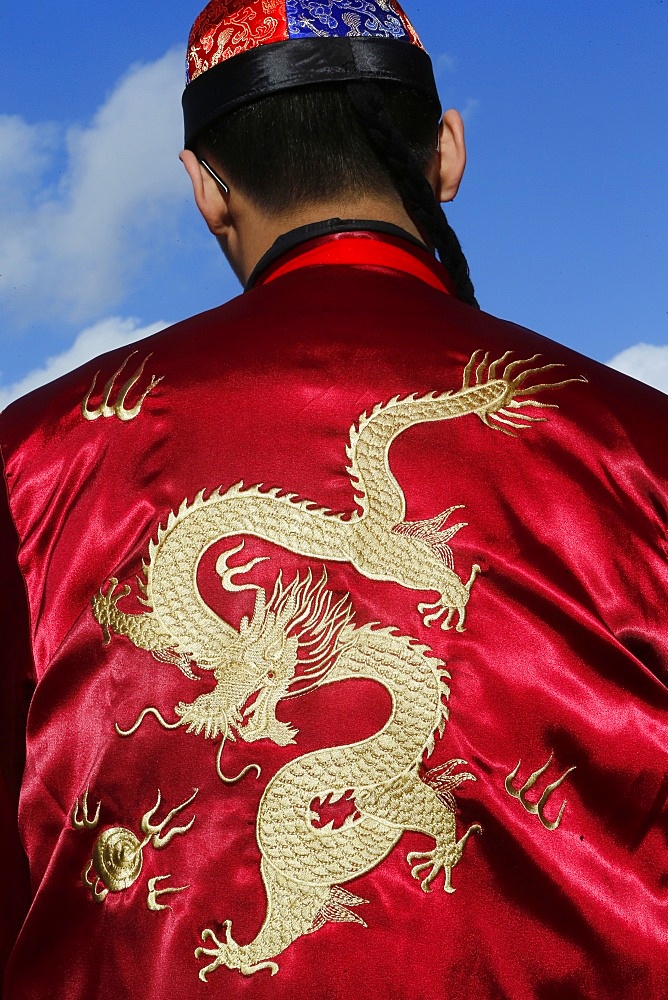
<point x="117" y="858"/>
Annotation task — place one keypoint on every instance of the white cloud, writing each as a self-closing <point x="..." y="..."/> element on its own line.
<point x="106" y="335"/>
<point x="25" y="151"/>
<point x="470" y="109"/>
<point x="444" y="63"/>
<point x="646" y="362"/>
<point x="70" y="244"/>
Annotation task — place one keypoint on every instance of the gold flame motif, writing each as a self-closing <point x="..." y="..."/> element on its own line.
<point x="538" y="808"/>
<point x="118" y="408"/>
<point x="81" y="818"/>
<point x="118" y="854"/>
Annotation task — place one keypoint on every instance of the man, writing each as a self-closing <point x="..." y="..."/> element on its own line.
<point x="345" y="636"/>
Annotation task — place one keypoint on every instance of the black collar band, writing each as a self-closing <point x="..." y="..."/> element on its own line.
<point x="302" y="62"/>
<point x="288" y="241"/>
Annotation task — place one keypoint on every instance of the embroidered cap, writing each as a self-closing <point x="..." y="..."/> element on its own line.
<point x="242" y="50"/>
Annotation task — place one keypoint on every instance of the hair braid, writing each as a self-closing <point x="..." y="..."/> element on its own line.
<point x="369" y="105"/>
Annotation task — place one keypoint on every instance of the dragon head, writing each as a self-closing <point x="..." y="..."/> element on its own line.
<point x="286" y="648"/>
<point x="264" y="667"/>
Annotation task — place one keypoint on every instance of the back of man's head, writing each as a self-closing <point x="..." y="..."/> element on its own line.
<point x="308" y="145"/>
<point x="296" y="114"/>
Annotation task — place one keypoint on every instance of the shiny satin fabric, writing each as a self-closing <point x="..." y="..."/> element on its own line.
<point x="559" y="678"/>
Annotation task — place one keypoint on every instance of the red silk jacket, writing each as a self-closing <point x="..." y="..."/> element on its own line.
<point x="346" y="655"/>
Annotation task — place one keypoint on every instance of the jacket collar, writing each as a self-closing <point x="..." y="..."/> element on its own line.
<point x="353" y="242"/>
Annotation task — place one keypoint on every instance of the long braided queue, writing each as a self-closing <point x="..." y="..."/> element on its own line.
<point x="369" y="104"/>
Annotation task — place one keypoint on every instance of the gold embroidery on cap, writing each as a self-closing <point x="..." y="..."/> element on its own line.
<point x="243" y="30"/>
<point x="118" y="409"/>
<point x="303" y="636"/>
<point x="538" y="808"/>
<point x="118" y="854"/>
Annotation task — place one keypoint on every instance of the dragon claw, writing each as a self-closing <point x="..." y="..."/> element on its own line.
<point x="229" y="954"/>
<point x="105" y="606"/>
<point x="443" y="856"/>
<point x="446" y="610"/>
<point x="435" y="860"/>
<point x="208" y="934"/>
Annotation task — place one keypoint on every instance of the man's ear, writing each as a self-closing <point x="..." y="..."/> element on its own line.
<point x="209" y="198"/>
<point x="452" y="156"/>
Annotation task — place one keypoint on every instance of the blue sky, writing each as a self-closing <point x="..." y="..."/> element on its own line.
<point x="563" y="212"/>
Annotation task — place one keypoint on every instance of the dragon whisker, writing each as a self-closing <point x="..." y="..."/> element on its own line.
<point x="466" y="381"/>
<point x="523" y="416"/>
<point x="546" y="385"/>
<point x="510" y="423"/>
<point x="517" y="404"/>
<point x="242" y="774"/>
<point x="147" y="711"/>
<point x="481" y="367"/>
<point x="495" y="365"/>
<point x="313" y="686"/>
<point x="508" y="371"/>
<point x="534" y="371"/>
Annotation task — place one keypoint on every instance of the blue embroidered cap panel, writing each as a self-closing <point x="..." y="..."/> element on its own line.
<point x="344" y="18"/>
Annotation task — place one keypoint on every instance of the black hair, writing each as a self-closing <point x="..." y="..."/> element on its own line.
<point x="312" y="144"/>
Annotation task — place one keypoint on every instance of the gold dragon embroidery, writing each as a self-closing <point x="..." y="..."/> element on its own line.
<point x="243" y="31"/>
<point x="301" y="638"/>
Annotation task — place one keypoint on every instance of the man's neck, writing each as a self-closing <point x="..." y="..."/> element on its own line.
<point x="257" y="232"/>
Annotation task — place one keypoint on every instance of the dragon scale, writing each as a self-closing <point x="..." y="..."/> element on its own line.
<point x="329" y="857"/>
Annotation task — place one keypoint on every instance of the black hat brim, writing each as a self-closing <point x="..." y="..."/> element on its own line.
<point x="279" y="66"/>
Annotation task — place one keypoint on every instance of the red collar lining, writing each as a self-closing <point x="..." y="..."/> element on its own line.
<point x="364" y="249"/>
